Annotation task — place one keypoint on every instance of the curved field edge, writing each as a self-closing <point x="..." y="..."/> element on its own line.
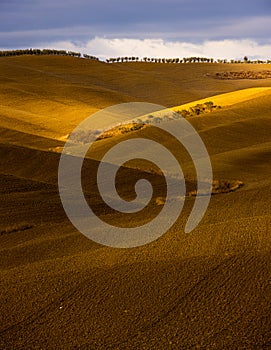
<point x="230" y="98"/>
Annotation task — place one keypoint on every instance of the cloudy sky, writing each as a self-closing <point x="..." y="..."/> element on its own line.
<point x="153" y="28"/>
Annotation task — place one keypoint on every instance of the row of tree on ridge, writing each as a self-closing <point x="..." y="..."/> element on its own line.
<point x="126" y="58"/>
<point x="182" y="60"/>
<point x="39" y="52"/>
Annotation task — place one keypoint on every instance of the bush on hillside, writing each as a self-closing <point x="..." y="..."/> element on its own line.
<point x="199" y="109"/>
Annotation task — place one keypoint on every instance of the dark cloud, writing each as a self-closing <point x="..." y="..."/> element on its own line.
<point x="28" y="22"/>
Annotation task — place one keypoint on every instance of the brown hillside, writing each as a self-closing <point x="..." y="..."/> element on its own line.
<point x="209" y="289"/>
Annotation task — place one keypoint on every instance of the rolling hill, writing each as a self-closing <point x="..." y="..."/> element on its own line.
<point x="210" y="289"/>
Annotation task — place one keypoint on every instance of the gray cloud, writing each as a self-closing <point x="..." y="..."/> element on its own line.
<point x="225" y="49"/>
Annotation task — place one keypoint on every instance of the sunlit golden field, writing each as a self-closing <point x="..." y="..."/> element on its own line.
<point x="209" y="289"/>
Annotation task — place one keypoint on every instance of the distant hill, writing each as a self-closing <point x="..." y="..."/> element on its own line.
<point x="48" y="95"/>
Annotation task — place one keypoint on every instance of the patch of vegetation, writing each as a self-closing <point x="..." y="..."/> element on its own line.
<point x="85" y="137"/>
<point x="218" y="187"/>
<point x="243" y="75"/>
<point x="199" y="109"/>
<point x="15" y="228"/>
<point x="221" y="186"/>
<point x="121" y="130"/>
